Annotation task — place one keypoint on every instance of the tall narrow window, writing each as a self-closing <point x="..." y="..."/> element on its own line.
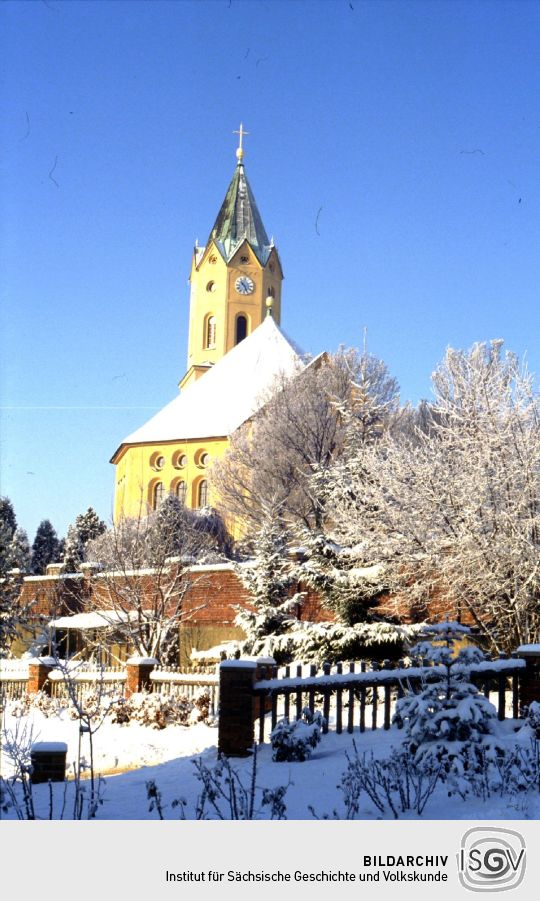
<point x="158" y="495"/>
<point x="202" y="493"/>
<point x="241" y="328"/>
<point x="210" y="332"/>
<point x="181" y="492"/>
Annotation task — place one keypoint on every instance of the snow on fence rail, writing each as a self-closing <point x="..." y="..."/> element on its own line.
<point x="13" y="679"/>
<point x="80" y="680"/>
<point x="360" y="698"/>
<point x="171" y="680"/>
<point x="82" y="677"/>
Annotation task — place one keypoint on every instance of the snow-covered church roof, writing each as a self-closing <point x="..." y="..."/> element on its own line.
<point x="228" y="394"/>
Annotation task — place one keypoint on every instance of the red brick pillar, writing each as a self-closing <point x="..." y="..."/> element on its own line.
<point x="529" y="679"/>
<point x="38" y="675"/>
<point x="236" y="680"/>
<point x="266" y="669"/>
<point x="138" y="671"/>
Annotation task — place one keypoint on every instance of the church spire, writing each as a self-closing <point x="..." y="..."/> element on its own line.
<point x="239" y="218"/>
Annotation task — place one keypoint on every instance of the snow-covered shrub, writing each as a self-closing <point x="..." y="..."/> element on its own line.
<point x="20" y="706"/>
<point x="532" y="717"/>
<point x="448" y="720"/>
<point x="512" y="773"/>
<point x="39" y="701"/>
<point x="225" y="796"/>
<point x="201" y="710"/>
<point x="394" y="784"/>
<point x="94" y="704"/>
<point x="296" y="740"/>
<point x="153" y="709"/>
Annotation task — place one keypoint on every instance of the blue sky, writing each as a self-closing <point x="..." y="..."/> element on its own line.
<point x="393" y="152"/>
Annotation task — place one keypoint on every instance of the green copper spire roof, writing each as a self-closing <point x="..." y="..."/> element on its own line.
<point x="239" y="220"/>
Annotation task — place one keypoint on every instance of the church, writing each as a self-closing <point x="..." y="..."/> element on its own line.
<point x="236" y="350"/>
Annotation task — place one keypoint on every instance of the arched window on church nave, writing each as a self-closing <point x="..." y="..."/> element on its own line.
<point x="210" y="332"/>
<point x="241" y="328"/>
<point x="158" y="495"/>
<point x="180" y="491"/>
<point x="202" y="493"/>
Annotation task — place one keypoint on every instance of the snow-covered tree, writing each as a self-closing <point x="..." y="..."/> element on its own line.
<point x="44" y="547"/>
<point x="10" y="586"/>
<point x="340" y="576"/>
<point x="14" y="561"/>
<point x="271" y="582"/>
<point x="7" y="515"/>
<point x="447" y="722"/>
<point x="20" y="552"/>
<point x="86" y="528"/>
<point x="303" y="425"/>
<point x="145" y="576"/>
<point x="454" y="510"/>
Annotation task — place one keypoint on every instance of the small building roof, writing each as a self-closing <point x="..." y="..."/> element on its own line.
<point x="227" y="395"/>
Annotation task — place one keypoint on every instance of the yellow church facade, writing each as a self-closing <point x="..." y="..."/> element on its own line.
<point x="235" y="351"/>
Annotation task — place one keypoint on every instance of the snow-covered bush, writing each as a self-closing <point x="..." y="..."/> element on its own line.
<point x="296" y="740"/>
<point x="532" y="717"/>
<point x="39" y="701"/>
<point x="448" y="720"/>
<point x="224" y="794"/>
<point x="512" y="773"/>
<point x="394" y="785"/>
<point x="201" y="710"/>
<point x="159" y="710"/>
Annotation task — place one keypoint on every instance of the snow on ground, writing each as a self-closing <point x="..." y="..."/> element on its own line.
<point x="167" y="756"/>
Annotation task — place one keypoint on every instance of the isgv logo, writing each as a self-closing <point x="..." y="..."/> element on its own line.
<point x="491" y="859"/>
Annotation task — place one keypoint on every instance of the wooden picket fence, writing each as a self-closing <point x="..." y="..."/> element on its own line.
<point x="360" y="696"/>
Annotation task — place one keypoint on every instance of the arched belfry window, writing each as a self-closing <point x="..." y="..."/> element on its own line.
<point x="202" y="493"/>
<point x="158" y="495"/>
<point x="210" y="332"/>
<point x="241" y="328"/>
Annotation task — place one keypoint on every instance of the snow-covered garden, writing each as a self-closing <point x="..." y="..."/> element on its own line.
<point x="446" y="755"/>
<point x="133" y="757"/>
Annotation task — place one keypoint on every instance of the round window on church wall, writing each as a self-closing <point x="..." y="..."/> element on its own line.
<point x="179" y="460"/>
<point x="202" y="458"/>
<point x="157" y="461"/>
<point x="211" y="286"/>
<point x="212" y="259"/>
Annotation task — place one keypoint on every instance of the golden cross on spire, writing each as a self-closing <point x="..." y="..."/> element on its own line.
<point x="240" y="151"/>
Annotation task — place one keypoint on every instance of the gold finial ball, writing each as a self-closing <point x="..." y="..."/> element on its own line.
<point x="239" y="154"/>
<point x="269" y="302"/>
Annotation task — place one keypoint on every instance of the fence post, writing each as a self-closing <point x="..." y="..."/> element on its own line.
<point x="38" y="675"/>
<point x="529" y="679"/>
<point x="236" y="709"/>
<point x="138" y="671"/>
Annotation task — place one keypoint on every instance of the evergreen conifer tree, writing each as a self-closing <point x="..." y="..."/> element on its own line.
<point x="86" y="528"/>
<point x="7" y="515"/>
<point x="21" y="555"/>
<point x="44" y="548"/>
<point x="270" y="581"/>
<point x="10" y="584"/>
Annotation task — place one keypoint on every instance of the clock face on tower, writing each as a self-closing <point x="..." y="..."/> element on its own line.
<point x="244" y="285"/>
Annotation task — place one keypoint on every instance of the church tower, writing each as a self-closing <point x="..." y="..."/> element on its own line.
<point x="235" y="352"/>
<point x="231" y="278"/>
